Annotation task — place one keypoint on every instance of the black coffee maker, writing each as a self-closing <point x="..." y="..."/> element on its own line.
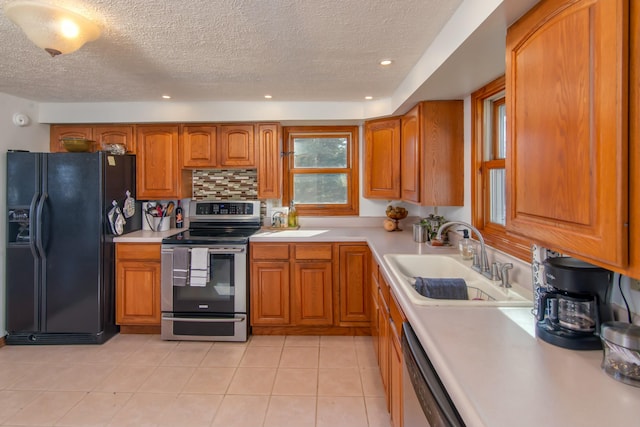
<point x="574" y="304"/>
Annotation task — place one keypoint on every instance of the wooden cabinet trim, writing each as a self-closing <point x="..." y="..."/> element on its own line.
<point x="313" y="251"/>
<point x="269" y="251"/>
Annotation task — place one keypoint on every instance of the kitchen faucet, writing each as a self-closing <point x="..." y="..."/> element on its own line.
<point x="483" y="266"/>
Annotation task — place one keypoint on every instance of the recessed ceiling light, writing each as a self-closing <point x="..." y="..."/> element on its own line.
<point x="268" y="96"/>
<point x="368" y="98"/>
<point x="385" y="62"/>
<point x="166" y="96"/>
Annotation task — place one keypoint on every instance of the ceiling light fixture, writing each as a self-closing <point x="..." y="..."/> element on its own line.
<point x="385" y="62"/>
<point x="166" y="96"/>
<point x="268" y="96"/>
<point x="368" y="98"/>
<point x="52" y="28"/>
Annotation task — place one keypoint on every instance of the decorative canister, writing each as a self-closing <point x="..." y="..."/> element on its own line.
<point x="420" y="232"/>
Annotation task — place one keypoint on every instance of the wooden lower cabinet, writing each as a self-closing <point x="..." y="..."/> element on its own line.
<point x="387" y="335"/>
<point x="312" y="293"/>
<point x="309" y="288"/>
<point x="138" y="285"/>
<point x="270" y="295"/>
<point x="354" y="266"/>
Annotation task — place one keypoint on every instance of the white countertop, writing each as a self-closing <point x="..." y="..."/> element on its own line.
<point x="498" y="375"/>
<point x="146" y="236"/>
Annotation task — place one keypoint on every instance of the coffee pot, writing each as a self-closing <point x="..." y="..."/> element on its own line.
<point x="574" y="304"/>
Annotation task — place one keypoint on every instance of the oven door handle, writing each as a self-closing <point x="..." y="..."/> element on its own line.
<point x="204" y="320"/>
<point x="227" y="250"/>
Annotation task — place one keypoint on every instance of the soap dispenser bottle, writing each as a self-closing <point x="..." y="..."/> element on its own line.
<point x="465" y="246"/>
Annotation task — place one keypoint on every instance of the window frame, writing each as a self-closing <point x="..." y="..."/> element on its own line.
<point x="494" y="234"/>
<point x="351" y="170"/>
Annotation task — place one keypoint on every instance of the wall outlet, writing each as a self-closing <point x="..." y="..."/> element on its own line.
<point x="634" y="285"/>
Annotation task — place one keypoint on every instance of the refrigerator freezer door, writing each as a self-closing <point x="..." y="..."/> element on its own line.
<point x="23" y="268"/>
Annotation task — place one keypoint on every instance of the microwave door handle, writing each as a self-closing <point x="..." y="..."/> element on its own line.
<point x="204" y="320"/>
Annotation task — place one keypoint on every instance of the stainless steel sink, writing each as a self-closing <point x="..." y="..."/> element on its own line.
<point x="482" y="291"/>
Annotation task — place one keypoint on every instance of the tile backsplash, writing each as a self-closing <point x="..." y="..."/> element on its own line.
<point x="225" y="184"/>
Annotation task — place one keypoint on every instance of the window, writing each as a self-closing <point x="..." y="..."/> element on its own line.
<point x="321" y="170"/>
<point x="489" y="152"/>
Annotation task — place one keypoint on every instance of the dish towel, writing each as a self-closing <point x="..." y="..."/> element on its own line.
<point x="180" y="266"/>
<point x="199" y="267"/>
<point x="437" y="288"/>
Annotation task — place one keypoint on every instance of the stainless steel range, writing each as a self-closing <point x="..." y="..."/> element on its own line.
<point x="205" y="273"/>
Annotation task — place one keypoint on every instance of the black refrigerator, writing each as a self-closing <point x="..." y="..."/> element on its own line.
<point x="60" y="264"/>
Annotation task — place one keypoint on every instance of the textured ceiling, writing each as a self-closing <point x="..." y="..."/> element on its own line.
<point x="227" y="50"/>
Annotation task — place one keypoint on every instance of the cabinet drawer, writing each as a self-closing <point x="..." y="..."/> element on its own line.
<point x="138" y="251"/>
<point x="396" y="312"/>
<point x="384" y="289"/>
<point x="269" y="251"/>
<point x="313" y="251"/>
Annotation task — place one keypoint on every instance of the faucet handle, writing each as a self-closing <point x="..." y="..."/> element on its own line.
<point x="496" y="271"/>
<point x="476" y="260"/>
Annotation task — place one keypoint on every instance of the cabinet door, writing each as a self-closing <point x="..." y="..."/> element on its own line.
<point x="237" y="146"/>
<point x="121" y="134"/>
<point x="270" y="302"/>
<point x="269" y="162"/>
<point x="137" y="292"/>
<point x="567" y="172"/>
<point x="382" y="159"/>
<point x="198" y="146"/>
<point x="383" y="343"/>
<point x="395" y="376"/>
<point x="354" y="285"/>
<point x="410" y="156"/>
<point x="634" y="141"/>
<point x="312" y="287"/>
<point x="158" y="175"/>
<point x="442" y="150"/>
<point x="57" y="132"/>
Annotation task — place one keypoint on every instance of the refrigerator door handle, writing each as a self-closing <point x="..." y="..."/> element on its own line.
<point x="32" y="226"/>
<point x="39" y="244"/>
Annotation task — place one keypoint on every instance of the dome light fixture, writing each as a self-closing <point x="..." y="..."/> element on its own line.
<point x="386" y="62"/>
<point x="55" y="29"/>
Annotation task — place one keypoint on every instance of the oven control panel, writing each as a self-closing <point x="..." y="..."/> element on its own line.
<point x="208" y="210"/>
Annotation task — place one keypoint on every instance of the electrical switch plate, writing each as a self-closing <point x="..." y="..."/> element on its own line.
<point x="634" y="284"/>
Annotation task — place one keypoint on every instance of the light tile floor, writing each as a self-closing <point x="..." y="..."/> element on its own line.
<point x="142" y="381"/>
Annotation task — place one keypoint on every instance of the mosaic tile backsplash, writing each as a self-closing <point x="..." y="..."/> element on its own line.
<point x="225" y="184"/>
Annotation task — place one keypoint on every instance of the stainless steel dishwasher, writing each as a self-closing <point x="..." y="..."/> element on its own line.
<point x="426" y="402"/>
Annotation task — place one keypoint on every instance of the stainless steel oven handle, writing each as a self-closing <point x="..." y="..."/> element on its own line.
<point x="205" y="320"/>
<point x="227" y="250"/>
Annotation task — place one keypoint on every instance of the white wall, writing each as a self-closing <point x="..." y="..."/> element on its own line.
<point x="34" y="137"/>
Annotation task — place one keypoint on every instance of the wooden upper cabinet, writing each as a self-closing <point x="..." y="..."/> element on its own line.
<point x="432" y="154"/>
<point x="410" y="156"/>
<point x="382" y="159"/>
<point x="57" y="132"/>
<point x="567" y="168"/>
<point x="634" y="141"/>
<point x="269" y="163"/>
<point x="115" y="134"/>
<point x="158" y="175"/>
<point x="237" y="146"/>
<point x="198" y="146"/>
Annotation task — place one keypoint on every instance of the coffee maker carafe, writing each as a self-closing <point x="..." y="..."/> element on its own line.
<point x="574" y="304"/>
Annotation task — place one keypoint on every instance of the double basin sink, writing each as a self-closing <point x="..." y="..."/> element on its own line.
<point x="482" y="291"/>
